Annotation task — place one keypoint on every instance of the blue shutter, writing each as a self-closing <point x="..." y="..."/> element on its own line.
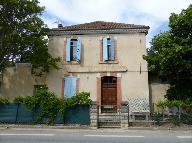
<point x="67" y="86"/>
<point x="68" y="49"/>
<point x="70" y="86"/>
<point x="112" y="49"/>
<point x="73" y="86"/>
<point x="77" y="53"/>
<point x="105" y="50"/>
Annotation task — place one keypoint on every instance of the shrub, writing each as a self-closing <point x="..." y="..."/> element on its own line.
<point x="48" y="105"/>
<point x="175" y="120"/>
<point x="162" y="104"/>
<point x="186" y="118"/>
<point x="82" y="98"/>
<point x="19" y="99"/>
<point x="158" y="117"/>
<point x="4" y="100"/>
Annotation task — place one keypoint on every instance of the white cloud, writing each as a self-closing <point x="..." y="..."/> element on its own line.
<point x="146" y="12"/>
<point x="79" y="11"/>
<point x="51" y="22"/>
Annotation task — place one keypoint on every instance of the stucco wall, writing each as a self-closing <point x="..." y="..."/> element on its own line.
<point x="157" y="90"/>
<point x="18" y="81"/>
<point x="131" y="67"/>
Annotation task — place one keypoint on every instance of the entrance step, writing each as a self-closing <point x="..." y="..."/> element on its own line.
<point x="109" y="121"/>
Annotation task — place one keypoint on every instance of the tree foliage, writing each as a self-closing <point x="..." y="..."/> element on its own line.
<point x="170" y="55"/>
<point x="23" y="35"/>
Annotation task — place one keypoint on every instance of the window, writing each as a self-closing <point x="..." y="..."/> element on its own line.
<point x="37" y="87"/>
<point x="108" y="49"/>
<point x="73" y="50"/>
<point x="70" y="84"/>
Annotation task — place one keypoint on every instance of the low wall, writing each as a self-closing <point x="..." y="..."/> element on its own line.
<point x="17" y="113"/>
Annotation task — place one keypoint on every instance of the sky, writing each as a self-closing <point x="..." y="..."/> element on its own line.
<point x="153" y="13"/>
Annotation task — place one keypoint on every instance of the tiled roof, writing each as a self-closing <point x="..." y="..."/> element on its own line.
<point x="101" y="25"/>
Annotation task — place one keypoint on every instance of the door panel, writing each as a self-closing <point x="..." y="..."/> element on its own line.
<point x="109" y="95"/>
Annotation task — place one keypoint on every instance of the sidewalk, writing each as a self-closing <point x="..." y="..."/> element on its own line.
<point x="12" y="126"/>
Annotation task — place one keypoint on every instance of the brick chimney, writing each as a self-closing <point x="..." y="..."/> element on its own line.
<point x="60" y="25"/>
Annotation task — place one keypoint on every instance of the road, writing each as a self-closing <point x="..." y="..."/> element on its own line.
<point x="20" y="135"/>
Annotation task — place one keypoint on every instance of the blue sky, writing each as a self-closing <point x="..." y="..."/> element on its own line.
<point x="153" y="13"/>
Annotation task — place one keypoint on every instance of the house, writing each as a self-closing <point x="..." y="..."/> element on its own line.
<point x="103" y="58"/>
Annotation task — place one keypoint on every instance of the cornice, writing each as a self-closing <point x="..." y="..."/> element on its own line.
<point x="60" y="32"/>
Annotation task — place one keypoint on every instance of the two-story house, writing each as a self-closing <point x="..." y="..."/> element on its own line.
<point x="103" y="58"/>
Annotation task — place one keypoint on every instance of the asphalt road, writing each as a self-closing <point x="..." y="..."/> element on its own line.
<point x="17" y="135"/>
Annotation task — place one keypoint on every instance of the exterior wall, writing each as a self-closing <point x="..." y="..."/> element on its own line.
<point x="130" y="70"/>
<point x="130" y="66"/>
<point x="18" y="81"/>
<point x="157" y="90"/>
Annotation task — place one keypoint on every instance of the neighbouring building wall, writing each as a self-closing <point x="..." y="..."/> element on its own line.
<point x="18" y="81"/>
<point x="157" y="90"/>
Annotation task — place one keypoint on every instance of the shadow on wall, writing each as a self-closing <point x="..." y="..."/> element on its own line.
<point x="18" y="81"/>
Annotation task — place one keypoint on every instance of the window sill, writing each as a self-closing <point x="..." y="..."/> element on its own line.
<point x="71" y="63"/>
<point x="108" y="62"/>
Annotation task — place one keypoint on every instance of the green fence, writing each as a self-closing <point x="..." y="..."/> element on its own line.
<point x="17" y="113"/>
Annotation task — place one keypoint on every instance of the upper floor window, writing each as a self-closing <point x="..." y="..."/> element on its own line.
<point x="108" y="49"/>
<point x="73" y="50"/>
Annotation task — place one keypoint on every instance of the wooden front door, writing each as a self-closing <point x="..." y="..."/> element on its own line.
<point x="108" y="94"/>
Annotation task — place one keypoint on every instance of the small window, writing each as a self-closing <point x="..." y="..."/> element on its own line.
<point x="109" y="80"/>
<point x="37" y="87"/>
<point x="73" y="46"/>
<point x="108" y="49"/>
<point x="73" y="50"/>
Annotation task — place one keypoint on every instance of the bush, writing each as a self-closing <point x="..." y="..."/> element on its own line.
<point x="175" y="120"/>
<point x="19" y="99"/>
<point x="4" y="100"/>
<point x="158" y="118"/>
<point x="162" y="104"/>
<point x="82" y="98"/>
<point x="48" y="105"/>
<point x="186" y="118"/>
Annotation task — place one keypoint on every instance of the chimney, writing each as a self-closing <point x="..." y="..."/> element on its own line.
<point x="60" y="25"/>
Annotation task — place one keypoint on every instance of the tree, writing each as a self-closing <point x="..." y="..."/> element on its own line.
<point x="23" y="35"/>
<point x="170" y="55"/>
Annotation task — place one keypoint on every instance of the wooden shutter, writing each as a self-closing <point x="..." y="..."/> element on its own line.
<point x="105" y="50"/>
<point x="77" y="53"/>
<point x="70" y="86"/>
<point x="112" y="49"/>
<point x="68" y="49"/>
<point x="73" y="86"/>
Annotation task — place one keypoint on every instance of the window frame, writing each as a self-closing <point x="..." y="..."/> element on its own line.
<point x="72" y="49"/>
<point x="109" y="61"/>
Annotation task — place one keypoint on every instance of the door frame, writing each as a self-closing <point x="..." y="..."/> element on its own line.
<point x="98" y="88"/>
<point x="108" y="88"/>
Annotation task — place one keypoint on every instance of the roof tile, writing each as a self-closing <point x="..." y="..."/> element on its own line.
<point x="96" y="25"/>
